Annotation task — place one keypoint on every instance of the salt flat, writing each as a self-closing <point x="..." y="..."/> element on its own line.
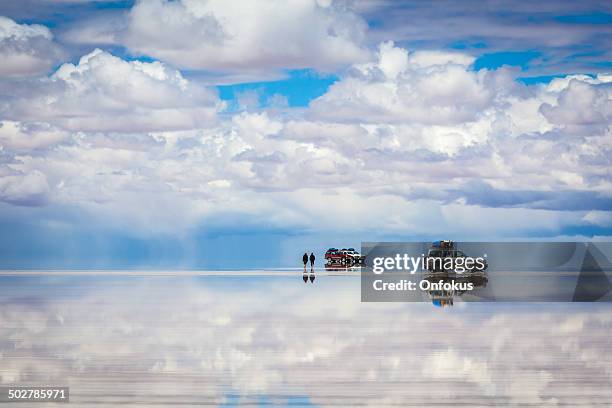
<point x="253" y="338"/>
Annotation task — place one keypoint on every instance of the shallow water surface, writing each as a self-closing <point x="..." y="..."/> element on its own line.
<point x="259" y="338"/>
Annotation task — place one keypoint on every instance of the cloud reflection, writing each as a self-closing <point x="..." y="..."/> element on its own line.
<point x="252" y="339"/>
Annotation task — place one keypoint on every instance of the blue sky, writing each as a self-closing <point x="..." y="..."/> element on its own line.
<point x="160" y="134"/>
<point x="299" y="88"/>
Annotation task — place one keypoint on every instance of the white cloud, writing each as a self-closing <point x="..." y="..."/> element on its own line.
<point x="16" y="136"/>
<point x="26" y="49"/>
<point x="580" y="103"/>
<point x="238" y="37"/>
<point x="599" y="218"/>
<point x="409" y="142"/>
<point x="105" y="93"/>
<point x="19" y="188"/>
<point x="11" y="29"/>
<point x="423" y="87"/>
<point x="433" y="120"/>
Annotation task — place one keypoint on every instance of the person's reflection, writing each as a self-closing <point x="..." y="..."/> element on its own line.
<point x="308" y="277"/>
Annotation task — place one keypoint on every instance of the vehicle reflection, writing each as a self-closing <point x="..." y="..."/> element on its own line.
<point x="341" y="268"/>
<point x="446" y="298"/>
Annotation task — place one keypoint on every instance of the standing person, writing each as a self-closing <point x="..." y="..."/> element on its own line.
<point x="305" y="259"/>
<point x="312" y="259"/>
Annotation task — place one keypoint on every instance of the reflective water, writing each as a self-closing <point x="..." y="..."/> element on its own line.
<point x="258" y="338"/>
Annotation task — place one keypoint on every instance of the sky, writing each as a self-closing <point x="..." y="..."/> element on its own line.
<point x="229" y="135"/>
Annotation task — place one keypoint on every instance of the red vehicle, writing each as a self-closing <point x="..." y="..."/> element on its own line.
<point x="343" y="257"/>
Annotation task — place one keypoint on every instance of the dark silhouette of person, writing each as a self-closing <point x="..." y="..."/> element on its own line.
<point x="305" y="278"/>
<point x="312" y="259"/>
<point x="312" y="277"/>
<point x="305" y="259"/>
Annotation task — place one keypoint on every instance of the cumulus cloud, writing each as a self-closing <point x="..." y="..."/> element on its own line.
<point x="247" y="40"/>
<point x="408" y="142"/>
<point x="105" y="93"/>
<point x="26" y="49"/>
<point x="424" y="87"/>
<point x="582" y="102"/>
<point x="434" y="122"/>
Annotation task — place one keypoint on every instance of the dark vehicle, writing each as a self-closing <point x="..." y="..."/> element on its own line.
<point x="346" y="257"/>
<point x="443" y="256"/>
